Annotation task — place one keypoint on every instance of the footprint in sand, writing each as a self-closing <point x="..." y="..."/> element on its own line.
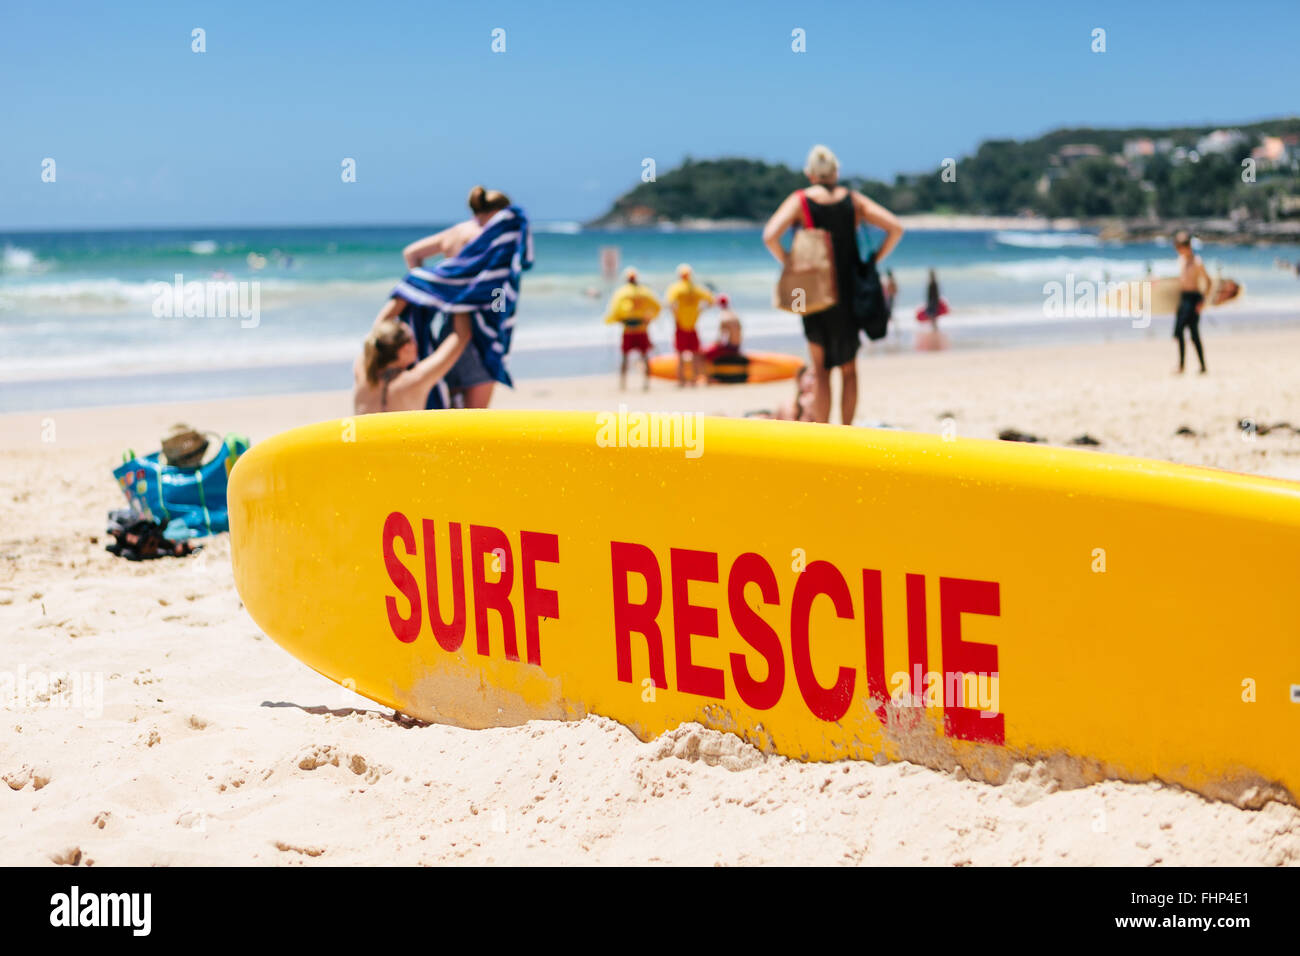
<point x="20" y="778"/>
<point x="304" y="850"/>
<point x="72" y="856"/>
<point x="324" y="756"/>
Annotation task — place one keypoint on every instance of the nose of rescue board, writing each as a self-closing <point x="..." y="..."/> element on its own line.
<point x="823" y="592"/>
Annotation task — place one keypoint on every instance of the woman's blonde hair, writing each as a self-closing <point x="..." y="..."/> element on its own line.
<point x="822" y="166"/>
<point x="382" y="345"/>
<point x="487" y="200"/>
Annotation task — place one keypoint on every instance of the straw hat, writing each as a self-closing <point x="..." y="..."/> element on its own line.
<point x="183" y="446"/>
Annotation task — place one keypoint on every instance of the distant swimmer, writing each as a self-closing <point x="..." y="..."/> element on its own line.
<point x="687" y="299"/>
<point x="891" y="288"/>
<point x="891" y="296"/>
<point x="634" y="306"/>
<point x="929" y="338"/>
<point x="1192" y="275"/>
<point x="935" y="306"/>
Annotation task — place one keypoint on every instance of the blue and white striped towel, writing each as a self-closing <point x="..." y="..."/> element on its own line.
<point x="482" y="279"/>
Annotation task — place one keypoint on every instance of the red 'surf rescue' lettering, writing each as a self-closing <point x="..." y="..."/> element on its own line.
<point x="751" y="583"/>
<point x="490" y="549"/>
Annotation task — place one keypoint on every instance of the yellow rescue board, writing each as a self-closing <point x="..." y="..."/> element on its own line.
<point x="824" y="592"/>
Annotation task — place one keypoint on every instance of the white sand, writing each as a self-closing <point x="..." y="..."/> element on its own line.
<point x="208" y="744"/>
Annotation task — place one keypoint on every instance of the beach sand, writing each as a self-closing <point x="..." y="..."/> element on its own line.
<point x="205" y="743"/>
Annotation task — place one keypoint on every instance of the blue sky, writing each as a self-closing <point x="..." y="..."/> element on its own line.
<point x="145" y="131"/>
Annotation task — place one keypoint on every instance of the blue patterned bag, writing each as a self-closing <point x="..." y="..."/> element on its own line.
<point x="188" y="502"/>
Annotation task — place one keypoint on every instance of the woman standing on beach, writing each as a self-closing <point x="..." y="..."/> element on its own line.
<point x="469" y="381"/>
<point x="833" y="333"/>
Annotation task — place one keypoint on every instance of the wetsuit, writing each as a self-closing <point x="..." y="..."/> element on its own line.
<point x="835" y="329"/>
<point x="1189" y="318"/>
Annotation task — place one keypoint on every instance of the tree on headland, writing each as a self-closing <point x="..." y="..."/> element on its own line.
<point x="1073" y="173"/>
<point x="1094" y="188"/>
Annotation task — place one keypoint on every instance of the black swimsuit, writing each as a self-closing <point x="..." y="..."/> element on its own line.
<point x="835" y="329"/>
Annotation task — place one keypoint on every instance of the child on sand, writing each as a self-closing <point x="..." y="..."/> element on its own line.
<point x="635" y="307"/>
<point x="1191" y="272"/>
<point x="686" y="299"/>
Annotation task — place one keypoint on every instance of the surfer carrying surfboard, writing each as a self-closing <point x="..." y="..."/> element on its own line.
<point x="634" y="306"/>
<point x="1191" y="274"/>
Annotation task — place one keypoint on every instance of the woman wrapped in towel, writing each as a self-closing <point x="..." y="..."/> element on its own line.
<point x="466" y="301"/>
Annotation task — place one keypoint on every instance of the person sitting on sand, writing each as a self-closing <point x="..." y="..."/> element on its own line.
<point x="728" y="327"/>
<point x="635" y="307"/>
<point x="686" y="299"/>
<point x="805" y="392"/>
<point x="386" y="376"/>
<point x="725" y="361"/>
<point x="1191" y="272"/>
<point x="800" y="409"/>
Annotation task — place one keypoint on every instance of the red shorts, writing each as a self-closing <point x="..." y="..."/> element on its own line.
<point x="636" y="341"/>
<point x="687" y="341"/>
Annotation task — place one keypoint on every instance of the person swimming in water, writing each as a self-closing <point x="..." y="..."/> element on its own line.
<point x="1191" y="274"/>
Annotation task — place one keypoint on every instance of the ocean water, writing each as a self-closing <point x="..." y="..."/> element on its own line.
<point x="79" y="323"/>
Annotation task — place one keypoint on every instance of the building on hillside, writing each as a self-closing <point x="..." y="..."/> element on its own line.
<point x="1270" y="151"/>
<point x="1220" y="141"/>
<point x="1067" y="156"/>
<point x="1140" y="148"/>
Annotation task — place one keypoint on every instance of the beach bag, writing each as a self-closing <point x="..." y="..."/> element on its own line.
<point x="871" y="311"/>
<point x="807" y="282"/>
<point x="187" y="502"/>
